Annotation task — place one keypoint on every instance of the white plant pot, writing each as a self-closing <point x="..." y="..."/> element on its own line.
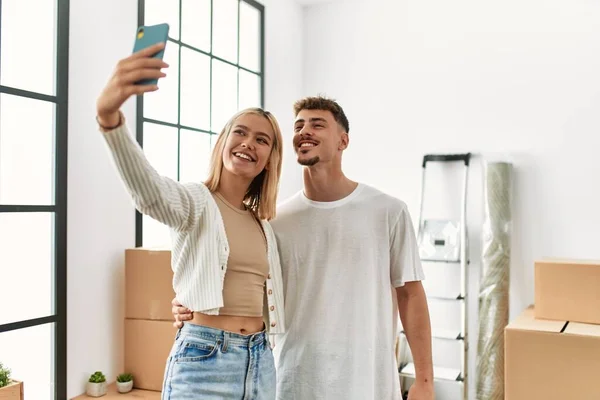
<point x="124" y="387"/>
<point x="96" y="389"/>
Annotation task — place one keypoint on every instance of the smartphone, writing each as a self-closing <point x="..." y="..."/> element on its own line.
<point x="147" y="36"/>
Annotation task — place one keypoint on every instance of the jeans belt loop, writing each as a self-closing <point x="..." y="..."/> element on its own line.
<point x="225" y="341"/>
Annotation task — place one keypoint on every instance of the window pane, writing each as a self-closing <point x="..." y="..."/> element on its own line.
<point x="225" y="29"/>
<point x="26" y="151"/>
<point x="195" y="156"/>
<point x="155" y="234"/>
<point x="224" y="94"/>
<point x="195" y="23"/>
<point x="29" y="354"/>
<point x="195" y="89"/>
<point x="26" y="260"/>
<point x="28" y="61"/>
<point x="161" y="11"/>
<point x="250" y="51"/>
<point x="160" y="147"/>
<point x="249" y="90"/>
<point x="162" y="104"/>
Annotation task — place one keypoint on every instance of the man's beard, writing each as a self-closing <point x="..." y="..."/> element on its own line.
<point x="310" y="162"/>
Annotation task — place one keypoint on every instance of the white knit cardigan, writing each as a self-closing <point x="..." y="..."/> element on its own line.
<point x="200" y="248"/>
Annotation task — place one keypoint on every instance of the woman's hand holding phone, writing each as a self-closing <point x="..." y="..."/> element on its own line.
<point x="122" y="84"/>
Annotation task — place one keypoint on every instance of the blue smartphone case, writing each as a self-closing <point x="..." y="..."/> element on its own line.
<point x="147" y="36"/>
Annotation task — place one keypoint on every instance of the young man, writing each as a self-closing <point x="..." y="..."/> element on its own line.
<point x="350" y="263"/>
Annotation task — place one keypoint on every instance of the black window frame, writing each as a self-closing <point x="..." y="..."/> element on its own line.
<point x="60" y="99"/>
<point x="140" y="118"/>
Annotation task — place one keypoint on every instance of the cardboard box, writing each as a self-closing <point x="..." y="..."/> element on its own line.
<point x="148" y="284"/>
<point x="13" y="391"/>
<point x="551" y="359"/>
<point x="113" y="394"/>
<point x="568" y="290"/>
<point x="147" y="347"/>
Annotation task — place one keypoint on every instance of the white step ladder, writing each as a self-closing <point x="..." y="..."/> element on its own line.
<point x="445" y="244"/>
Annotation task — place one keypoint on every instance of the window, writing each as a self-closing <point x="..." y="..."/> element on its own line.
<point x="216" y="67"/>
<point x="33" y="193"/>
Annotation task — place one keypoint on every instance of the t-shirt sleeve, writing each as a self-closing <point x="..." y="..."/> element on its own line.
<point x="405" y="264"/>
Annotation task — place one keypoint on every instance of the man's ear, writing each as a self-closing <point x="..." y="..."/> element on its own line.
<point x="344" y="142"/>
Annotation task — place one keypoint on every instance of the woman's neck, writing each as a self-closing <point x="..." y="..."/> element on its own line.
<point x="233" y="188"/>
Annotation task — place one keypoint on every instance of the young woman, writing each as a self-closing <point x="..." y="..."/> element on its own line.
<point x="224" y="254"/>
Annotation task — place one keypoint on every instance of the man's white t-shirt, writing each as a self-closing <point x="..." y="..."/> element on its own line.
<point x="341" y="261"/>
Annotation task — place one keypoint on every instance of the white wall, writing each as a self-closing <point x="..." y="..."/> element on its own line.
<point x="284" y="80"/>
<point x="101" y="218"/>
<point x="511" y="80"/>
<point x="101" y="221"/>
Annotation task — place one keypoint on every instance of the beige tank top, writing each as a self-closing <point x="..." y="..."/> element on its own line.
<point x="247" y="266"/>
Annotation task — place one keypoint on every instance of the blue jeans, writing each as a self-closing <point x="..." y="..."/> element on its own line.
<point x="207" y="363"/>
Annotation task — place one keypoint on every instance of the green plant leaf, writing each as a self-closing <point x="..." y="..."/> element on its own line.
<point x="4" y="376"/>
<point x="97" y="377"/>
<point x="125" y="377"/>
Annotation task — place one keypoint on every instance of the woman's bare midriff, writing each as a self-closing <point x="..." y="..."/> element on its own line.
<point x="241" y="325"/>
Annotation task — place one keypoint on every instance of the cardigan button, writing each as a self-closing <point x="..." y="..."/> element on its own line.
<point x="272" y="308"/>
<point x="269" y="276"/>
<point x="273" y="324"/>
<point x="270" y="291"/>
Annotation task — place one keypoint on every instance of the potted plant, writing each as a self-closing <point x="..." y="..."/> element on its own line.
<point x="4" y="376"/>
<point x="9" y="388"/>
<point x="124" y="383"/>
<point x="96" y="385"/>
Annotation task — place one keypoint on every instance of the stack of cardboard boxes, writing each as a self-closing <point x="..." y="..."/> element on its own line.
<point x="552" y="350"/>
<point x="149" y="330"/>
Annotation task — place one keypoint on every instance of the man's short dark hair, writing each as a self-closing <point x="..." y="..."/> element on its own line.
<point x="323" y="104"/>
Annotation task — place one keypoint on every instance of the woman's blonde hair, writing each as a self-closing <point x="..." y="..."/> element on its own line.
<point x="261" y="196"/>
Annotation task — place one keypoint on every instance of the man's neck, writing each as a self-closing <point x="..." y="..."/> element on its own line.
<point x="233" y="189"/>
<point x="325" y="183"/>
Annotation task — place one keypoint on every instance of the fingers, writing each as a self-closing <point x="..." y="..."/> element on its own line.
<point x="135" y="62"/>
<point x="179" y="310"/>
<point x="177" y="324"/>
<point x="182" y="313"/>
<point x="142" y="66"/>
<point x="139" y="89"/>
<point x="139" y="74"/>
<point x="148" y="51"/>
<point x="176" y="303"/>
<point x="144" y="63"/>
<point x="127" y="82"/>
